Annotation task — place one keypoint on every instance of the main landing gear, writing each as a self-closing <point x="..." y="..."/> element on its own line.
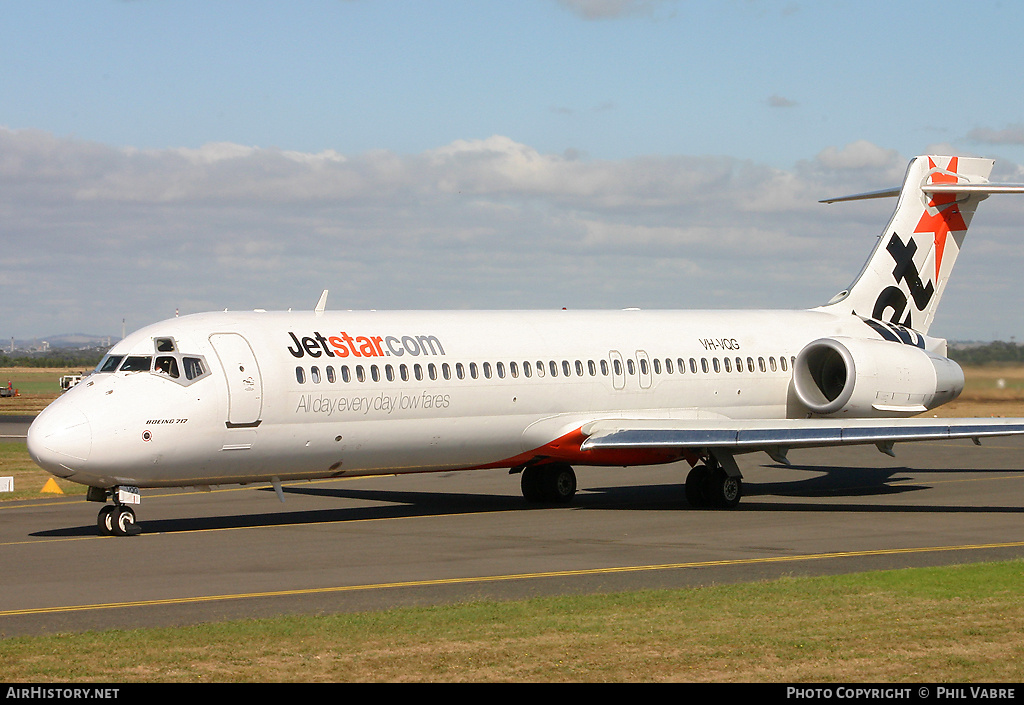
<point x="714" y="484"/>
<point x="552" y="483"/>
<point x="117" y="519"/>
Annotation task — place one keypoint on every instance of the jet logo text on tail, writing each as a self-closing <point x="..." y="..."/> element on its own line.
<point x="905" y="271"/>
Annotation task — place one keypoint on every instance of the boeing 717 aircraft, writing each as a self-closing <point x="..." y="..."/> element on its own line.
<point x="229" y="397"/>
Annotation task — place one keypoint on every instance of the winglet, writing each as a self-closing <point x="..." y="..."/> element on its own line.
<point x="321" y="305"/>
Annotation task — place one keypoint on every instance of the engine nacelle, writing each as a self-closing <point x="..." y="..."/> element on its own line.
<point x="862" y="377"/>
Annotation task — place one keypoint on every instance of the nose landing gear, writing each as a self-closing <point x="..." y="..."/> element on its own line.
<point x="117" y="519"/>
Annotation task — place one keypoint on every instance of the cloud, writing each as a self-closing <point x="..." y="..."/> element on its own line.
<point x="778" y="101"/>
<point x="860" y="155"/>
<point x="93" y="234"/>
<point x="610" y="9"/>
<point x="1012" y="134"/>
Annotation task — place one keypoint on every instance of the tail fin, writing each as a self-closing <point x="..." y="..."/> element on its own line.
<point x="904" y="277"/>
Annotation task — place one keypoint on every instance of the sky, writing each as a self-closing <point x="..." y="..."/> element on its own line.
<point x="174" y="157"/>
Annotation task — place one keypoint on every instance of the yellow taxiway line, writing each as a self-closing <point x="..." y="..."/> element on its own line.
<point x="501" y="578"/>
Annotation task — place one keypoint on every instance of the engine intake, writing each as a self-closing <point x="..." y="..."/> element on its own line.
<point x="862" y="377"/>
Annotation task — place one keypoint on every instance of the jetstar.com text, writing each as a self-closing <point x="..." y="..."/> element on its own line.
<point x="343" y="345"/>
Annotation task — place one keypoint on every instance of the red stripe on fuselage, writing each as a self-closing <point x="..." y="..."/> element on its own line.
<point x="567" y="449"/>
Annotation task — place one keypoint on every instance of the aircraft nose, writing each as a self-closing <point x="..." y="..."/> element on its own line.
<point x="60" y="439"/>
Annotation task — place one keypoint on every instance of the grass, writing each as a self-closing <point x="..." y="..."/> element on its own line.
<point x="959" y="624"/>
<point x="28" y="478"/>
<point x="37" y="387"/>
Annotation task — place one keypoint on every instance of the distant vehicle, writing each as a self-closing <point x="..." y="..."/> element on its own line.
<point x="69" y="381"/>
<point x="8" y="391"/>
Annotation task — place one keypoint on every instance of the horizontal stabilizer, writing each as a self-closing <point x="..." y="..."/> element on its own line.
<point x="983" y="188"/>
<point x="884" y="193"/>
<point x="973" y="188"/>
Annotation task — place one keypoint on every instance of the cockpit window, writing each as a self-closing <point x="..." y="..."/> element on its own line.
<point x="109" y="363"/>
<point x="194" y="368"/>
<point x="167" y="365"/>
<point x="137" y="363"/>
<point x="183" y="369"/>
<point x="172" y="365"/>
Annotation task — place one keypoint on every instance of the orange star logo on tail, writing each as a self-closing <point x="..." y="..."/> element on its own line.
<point x="943" y="214"/>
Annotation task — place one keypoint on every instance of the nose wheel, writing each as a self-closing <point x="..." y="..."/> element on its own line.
<point x="115" y="519"/>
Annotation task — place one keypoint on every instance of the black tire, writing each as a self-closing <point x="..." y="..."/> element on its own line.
<point x="105" y="521"/>
<point x="530" y="483"/>
<point x="124" y="522"/>
<point x="554" y="483"/>
<point x="561" y="483"/>
<point x="723" y="491"/>
<point x="696" y="481"/>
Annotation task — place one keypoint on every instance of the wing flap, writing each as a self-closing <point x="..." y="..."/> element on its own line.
<point x="751" y="435"/>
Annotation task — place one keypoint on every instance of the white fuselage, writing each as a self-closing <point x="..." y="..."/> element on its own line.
<point x="257" y="396"/>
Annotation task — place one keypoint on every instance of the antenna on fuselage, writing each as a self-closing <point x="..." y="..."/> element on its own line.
<point x="322" y="303"/>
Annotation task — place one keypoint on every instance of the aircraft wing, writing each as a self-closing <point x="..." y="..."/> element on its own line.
<point x="776" y="437"/>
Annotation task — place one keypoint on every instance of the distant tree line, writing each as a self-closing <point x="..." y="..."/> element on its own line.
<point x="995" y="353"/>
<point x="61" y="357"/>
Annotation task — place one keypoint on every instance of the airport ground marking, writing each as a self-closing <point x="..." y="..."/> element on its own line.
<point x="434" y="582"/>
